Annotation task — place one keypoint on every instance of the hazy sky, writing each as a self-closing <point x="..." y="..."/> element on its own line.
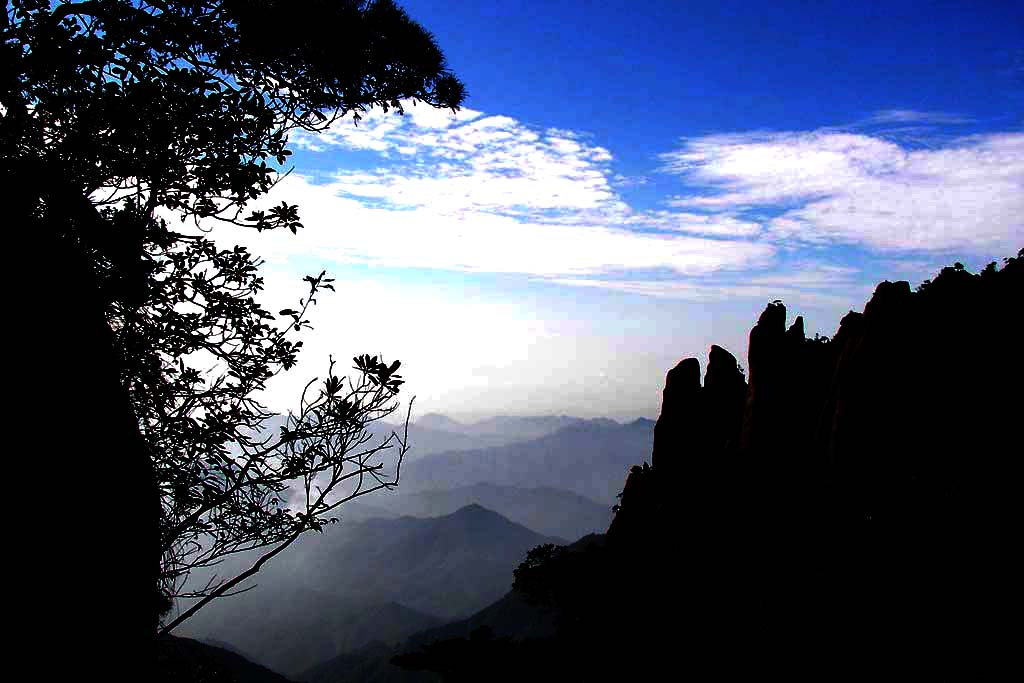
<point x="630" y="182"/>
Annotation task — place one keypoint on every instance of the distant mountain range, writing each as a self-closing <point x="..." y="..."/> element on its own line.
<point x="436" y="433"/>
<point x="588" y="457"/>
<point x="509" y="426"/>
<point x="378" y="580"/>
<point x="546" y="510"/>
<point x="425" y="440"/>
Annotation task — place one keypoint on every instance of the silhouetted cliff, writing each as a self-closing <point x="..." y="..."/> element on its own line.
<point x="852" y="507"/>
<point x="858" y="494"/>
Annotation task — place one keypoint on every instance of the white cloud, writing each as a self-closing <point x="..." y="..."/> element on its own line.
<point x="917" y="117"/>
<point x="830" y="187"/>
<point x="381" y="131"/>
<point x="487" y="193"/>
<point x="471" y="162"/>
<point x="344" y="230"/>
<point x="624" y="181"/>
<point x="706" y="292"/>
<point x="802" y="284"/>
<point x="722" y="225"/>
<point x="480" y="163"/>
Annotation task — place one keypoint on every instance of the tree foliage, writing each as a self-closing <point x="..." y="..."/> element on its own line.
<point x="187" y="104"/>
<point x="134" y="125"/>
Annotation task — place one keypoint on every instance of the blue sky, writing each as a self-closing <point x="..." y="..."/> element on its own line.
<point x="631" y="182"/>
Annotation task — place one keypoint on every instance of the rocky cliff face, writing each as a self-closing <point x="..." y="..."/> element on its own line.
<point x="850" y="514"/>
<point x="859" y="493"/>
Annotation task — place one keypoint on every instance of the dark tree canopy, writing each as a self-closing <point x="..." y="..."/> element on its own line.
<point x="117" y="119"/>
<point x="189" y="103"/>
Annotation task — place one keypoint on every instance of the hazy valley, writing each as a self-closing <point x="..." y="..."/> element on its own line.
<point x="438" y="548"/>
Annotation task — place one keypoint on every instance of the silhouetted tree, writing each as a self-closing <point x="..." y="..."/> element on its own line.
<point x="115" y="116"/>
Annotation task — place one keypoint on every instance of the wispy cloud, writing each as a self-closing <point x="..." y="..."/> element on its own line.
<point x="911" y="116"/>
<point x="343" y="229"/>
<point x="381" y="131"/>
<point x="476" y="163"/>
<point x="806" y="284"/>
<point x="834" y="187"/>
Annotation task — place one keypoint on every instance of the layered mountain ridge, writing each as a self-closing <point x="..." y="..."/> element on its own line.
<point x="587" y="457"/>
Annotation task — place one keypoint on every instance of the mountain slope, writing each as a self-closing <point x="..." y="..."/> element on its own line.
<point x="449" y="566"/>
<point x="185" y="659"/>
<point x="546" y="510"/>
<point x="371" y="664"/>
<point x="436" y="433"/>
<point x="511" y="616"/>
<point x="590" y="458"/>
<point x="426" y="439"/>
<point x="376" y="580"/>
<point x="440" y="422"/>
<point x="288" y="627"/>
<point x="517" y="428"/>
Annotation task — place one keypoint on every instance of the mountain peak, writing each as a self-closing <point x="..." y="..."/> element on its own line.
<point x="439" y="421"/>
<point x="475" y="510"/>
